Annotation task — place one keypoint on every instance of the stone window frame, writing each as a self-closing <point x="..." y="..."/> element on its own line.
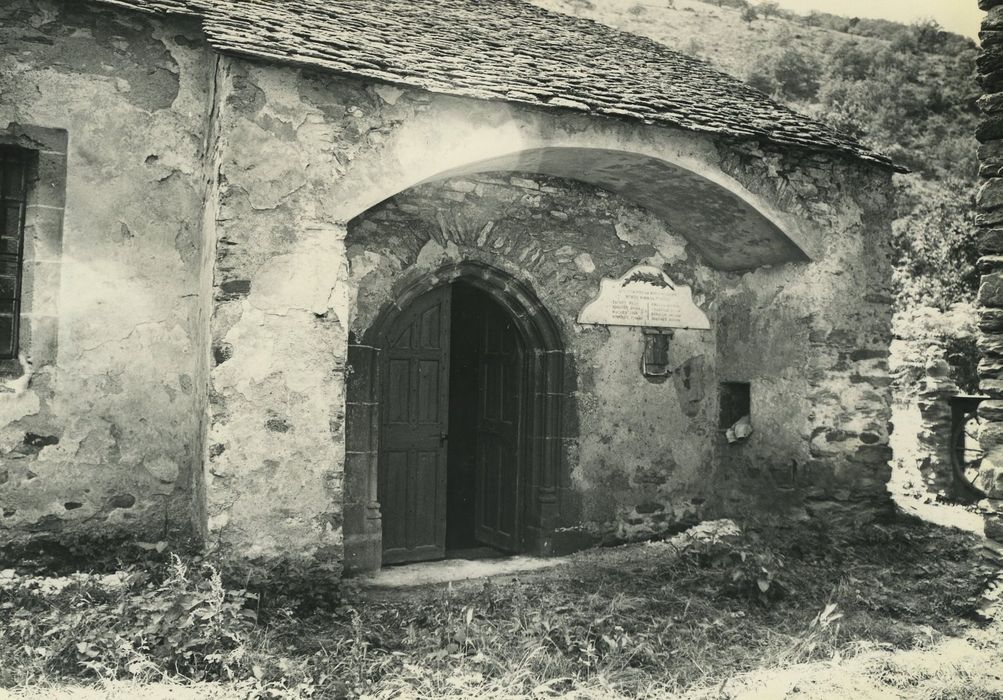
<point x="41" y="261"/>
<point x="13" y="195"/>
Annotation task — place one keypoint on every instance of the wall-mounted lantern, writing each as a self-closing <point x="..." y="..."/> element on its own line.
<point x="655" y="360"/>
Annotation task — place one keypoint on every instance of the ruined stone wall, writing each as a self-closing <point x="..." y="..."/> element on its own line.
<point x="989" y="220"/>
<point x="98" y="417"/>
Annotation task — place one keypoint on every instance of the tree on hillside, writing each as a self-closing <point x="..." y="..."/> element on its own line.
<point x="769" y="9"/>
<point x="789" y="73"/>
<point x="848" y="60"/>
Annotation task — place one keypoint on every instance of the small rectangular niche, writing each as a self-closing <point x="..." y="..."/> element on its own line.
<point x="736" y="403"/>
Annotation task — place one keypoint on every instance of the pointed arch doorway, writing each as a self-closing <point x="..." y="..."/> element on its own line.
<point x="451" y="427"/>
<point x="455" y="405"/>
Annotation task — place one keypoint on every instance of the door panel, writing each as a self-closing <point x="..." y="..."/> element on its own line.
<point x="498" y="431"/>
<point x="415" y="409"/>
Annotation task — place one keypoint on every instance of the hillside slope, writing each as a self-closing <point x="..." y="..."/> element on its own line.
<point x="907" y="91"/>
<point x="717" y="34"/>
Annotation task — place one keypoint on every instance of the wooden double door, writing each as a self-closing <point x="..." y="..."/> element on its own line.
<point x="451" y="427"/>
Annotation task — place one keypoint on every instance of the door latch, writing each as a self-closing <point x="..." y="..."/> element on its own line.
<point x="442" y="438"/>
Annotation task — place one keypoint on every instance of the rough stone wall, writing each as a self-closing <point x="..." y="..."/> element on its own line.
<point x="934" y="438"/>
<point x="98" y="430"/>
<point x="931" y="362"/>
<point x="989" y="220"/>
<point x="814" y="341"/>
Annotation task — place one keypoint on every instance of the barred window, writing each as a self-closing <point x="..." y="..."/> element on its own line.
<point x="13" y="193"/>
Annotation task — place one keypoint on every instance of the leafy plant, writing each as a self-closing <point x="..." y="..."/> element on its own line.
<point x="129" y="624"/>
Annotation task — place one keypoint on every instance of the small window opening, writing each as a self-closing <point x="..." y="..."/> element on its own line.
<point x="13" y="198"/>
<point x="655" y="361"/>
<point x="735" y="403"/>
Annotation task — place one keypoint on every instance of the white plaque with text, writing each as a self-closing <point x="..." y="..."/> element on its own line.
<point x="645" y="296"/>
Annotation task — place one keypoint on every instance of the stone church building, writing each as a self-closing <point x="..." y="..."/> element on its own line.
<point x="339" y="284"/>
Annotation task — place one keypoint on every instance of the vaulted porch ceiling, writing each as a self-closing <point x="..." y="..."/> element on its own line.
<point x="728" y="231"/>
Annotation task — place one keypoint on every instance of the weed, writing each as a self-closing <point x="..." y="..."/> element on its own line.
<point x="647" y="620"/>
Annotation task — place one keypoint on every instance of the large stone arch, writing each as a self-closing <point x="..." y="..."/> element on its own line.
<point x="546" y="366"/>
<point x="676" y="174"/>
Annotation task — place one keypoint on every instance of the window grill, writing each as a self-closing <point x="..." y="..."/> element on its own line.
<point x="13" y="196"/>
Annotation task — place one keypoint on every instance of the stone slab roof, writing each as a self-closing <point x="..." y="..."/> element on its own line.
<point x="505" y="50"/>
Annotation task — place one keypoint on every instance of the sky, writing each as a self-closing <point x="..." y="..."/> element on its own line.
<point x="960" y="16"/>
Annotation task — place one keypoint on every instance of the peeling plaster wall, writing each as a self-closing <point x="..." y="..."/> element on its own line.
<point x="278" y="325"/>
<point x="100" y="439"/>
<point x="206" y="294"/>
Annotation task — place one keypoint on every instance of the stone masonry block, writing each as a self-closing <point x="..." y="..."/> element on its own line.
<point x="988" y="170"/>
<point x="990" y="128"/>
<point x="990" y="344"/>
<point x="991" y="38"/>
<point x="990" y="241"/>
<point x="991" y="410"/>
<point x="990" y="104"/>
<point x="990" y="195"/>
<point x="991" y="433"/>
<point x="991" y="368"/>
<point x="991" y="290"/>
<point x="991" y="320"/>
<point x="993" y="21"/>
<point x="990" y="60"/>
<point x="989" y="263"/>
<point x="991" y="482"/>
<point x="989" y="219"/>
<point x="992" y="82"/>
<point x="991" y="471"/>
<point x="994" y="528"/>
<point x="991" y="152"/>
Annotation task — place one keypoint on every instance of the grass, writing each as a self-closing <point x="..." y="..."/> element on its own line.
<point x="865" y="610"/>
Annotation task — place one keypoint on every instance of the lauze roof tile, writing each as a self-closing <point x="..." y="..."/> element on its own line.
<point x="510" y="50"/>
